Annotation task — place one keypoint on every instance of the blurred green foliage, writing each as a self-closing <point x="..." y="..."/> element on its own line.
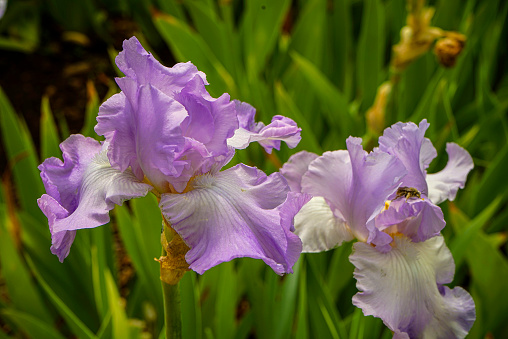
<point x="319" y="62"/>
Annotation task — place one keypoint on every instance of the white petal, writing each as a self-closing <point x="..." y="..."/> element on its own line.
<point x="404" y="287"/>
<point x="445" y="184"/>
<point x="318" y="228"/>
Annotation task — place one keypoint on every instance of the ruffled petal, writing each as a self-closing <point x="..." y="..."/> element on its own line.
<point x="144" y="132"/>
<point x="405" y="140"/>
<point x="404" y="288"/>
<point x="318" y="228"/>
<point x="61" y="242"/>
<point x="294" y="169"/>
<point x="445" y="184"/>
<point x="418" y="219"/>
<point x="135" y="62"/>
<point x="355" y="184"/>
<point x="239" y="212"/>
<point x="270" y="136"/>
<point x="82" y="190"/>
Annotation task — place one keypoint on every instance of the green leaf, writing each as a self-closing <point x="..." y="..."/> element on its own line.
<point x="31" y="325"/>
<point x="336" y="106"/>
<point x="49" y="133"/>
<point x="21" y="157"/>
<point x="370" y="54"/>
<point x="76" y="325"/>
<point x="187" y="45"/>
<point x="22" y="291"/>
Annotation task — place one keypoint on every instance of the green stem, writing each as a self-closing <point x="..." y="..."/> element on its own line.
<point x="172" y="311"/>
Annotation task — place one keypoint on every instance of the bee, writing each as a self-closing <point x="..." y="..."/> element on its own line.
<point x="407" y="192"/>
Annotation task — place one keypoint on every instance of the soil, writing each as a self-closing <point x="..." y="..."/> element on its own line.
<point x="60" y="69"/>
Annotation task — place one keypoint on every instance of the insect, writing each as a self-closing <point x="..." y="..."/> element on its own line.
<point x="407" y="192"/>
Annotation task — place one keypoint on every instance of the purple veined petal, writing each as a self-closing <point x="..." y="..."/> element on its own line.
<point x="404" y="287"/>
<point x="318" y="228"/>
<point x="144" y="132"/>
<point x="239" y="212"/>
<point x="294" y="169"/>
<point x="82" y="190"/>
<point x="136" y="63"/>
<point x="418" y="219"/>
<point x="269" y="137"/>
<point x="406" y="140"/>
<point x="355" y="184"/>
<point x="444" y="185"/>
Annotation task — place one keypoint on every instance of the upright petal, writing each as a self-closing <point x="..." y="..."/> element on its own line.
<point x="280" y="129"/>
<point x="318" y="228"/>
<point x="406" y="140"/>
<point x="136" y="63"/>
<point x="144" y="132"/>
<point x="404" y="287"/>
<point x="239" y="212"/>
<point x="294" y="169"/>
<point x="82" y="190"/>
<point x="445" y="184"/>
<point x="355" y="184"/>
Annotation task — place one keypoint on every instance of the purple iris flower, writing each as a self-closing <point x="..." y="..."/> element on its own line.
<point x="387" y="201"/>
<point x="165" y="133"/>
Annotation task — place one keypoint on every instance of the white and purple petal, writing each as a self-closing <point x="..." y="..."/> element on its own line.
<point x="82" y="190"/>
<point x="269" y="137"/>
<point x="404" y="287"/>
<point x="239" y="212"/>
<point x="355" y="184"/>
<point x="318" y="228"/>
<point x="418" y="219"/>
<point x="444" y="185"/>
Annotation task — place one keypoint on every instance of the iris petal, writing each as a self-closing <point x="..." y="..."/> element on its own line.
<point x="445" y="184"/>
<point x="404" y="287"/>
<point x="318" y="228"/>
<point x="239" y="212"/>
<point x="82" y="190"/>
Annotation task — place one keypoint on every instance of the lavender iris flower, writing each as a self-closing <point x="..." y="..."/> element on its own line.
<point x="387" y="201"/>
<point x="164" y="133"/>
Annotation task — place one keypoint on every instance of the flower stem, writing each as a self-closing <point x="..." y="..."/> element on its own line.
<point x="172" y="310"/>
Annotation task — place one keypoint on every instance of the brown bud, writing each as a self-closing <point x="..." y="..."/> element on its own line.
<point x="449" y="47"/>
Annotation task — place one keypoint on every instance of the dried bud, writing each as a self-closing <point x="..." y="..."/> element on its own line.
<point x="448" y="48"/>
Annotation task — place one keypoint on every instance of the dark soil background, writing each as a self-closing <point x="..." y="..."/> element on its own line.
<point x="60" y="69"/>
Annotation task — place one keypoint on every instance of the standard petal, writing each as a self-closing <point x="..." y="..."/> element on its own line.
<point x="406" y="140"/>
<point x="235" y="213"/>
<point x="135" y="62"/>
<point x="144" y="132"/>
<point x="355" y="184"/>
<point x="318" y="228"/>
<point x="82" y="190"/>
<point x="404" y="287"/>
<point x="445" y="184"/>
<point x="210" y="121"/>
<point x="294" y="169"/>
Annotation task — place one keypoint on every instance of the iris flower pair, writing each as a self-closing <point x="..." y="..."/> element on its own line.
<point x="386" y="200"/>
<point x="164" y="133"/>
